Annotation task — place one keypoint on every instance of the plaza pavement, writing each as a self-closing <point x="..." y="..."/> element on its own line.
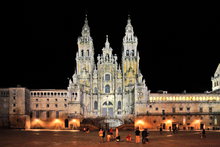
<point x="51" y="138"/>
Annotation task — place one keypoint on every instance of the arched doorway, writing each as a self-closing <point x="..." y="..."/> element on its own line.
<point x="107" y="109"/>
<point x="66" y="123"/>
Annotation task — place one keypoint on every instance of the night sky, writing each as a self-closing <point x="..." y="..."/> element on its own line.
<point x="179" y="44"/>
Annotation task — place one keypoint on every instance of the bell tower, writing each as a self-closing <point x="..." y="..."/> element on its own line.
<point x="130" y="55"/>
<point x="85" y="54"/>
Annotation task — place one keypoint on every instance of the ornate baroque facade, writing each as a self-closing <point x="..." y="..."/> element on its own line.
<point x="107" y="88"/>
<point x="111" y="90"/>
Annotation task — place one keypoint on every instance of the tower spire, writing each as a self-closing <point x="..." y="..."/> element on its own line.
<point x="129" y="19"/>
<point x="107" y="44"/>
<point x="86" y="29"/>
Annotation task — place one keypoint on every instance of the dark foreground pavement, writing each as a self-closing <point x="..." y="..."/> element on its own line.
<point x="16" y="138"/>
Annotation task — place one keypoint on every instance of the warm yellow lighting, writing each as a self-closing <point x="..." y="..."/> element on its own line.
<point x="169" y="121"/>
<point x="37" y="120"/>
<point x="197" y="121"/>
<point x="73" y="120"/>
<point x="140" y="122"/>
<point x="57" y="121"/>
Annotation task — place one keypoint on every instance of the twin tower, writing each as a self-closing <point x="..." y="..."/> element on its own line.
<point x="107" y="88"/>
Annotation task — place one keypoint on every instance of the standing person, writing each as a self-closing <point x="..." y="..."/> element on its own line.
<point x="111" y="134"/>
<point x="170" y="128"/>
<point x="161" y="130"/>
<point x="203" y="133"/>
<point x="144" y="136"/>
<point x="137" y="135"/>
<point x="101" y="135"/>
<point x="116" y="132"/>
<point x="108" y="136"/>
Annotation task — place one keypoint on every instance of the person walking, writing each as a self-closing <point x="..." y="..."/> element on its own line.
<point x="137" y="135"/>
<point x="145" y="136"/>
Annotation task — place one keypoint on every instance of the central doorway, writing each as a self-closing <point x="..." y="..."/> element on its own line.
<point x="107" y="109"/>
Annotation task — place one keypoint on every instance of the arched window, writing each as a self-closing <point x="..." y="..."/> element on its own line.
<point x="107" y="103"/>
<point x="132" y="53"/>
<point x="95" y="105"/>
<point x="119" y="104"/>
<point x="127" y="52"/>
<point x="107" y="77"/>
<point x="82" y="52"/>
<point x="107" y="89"/>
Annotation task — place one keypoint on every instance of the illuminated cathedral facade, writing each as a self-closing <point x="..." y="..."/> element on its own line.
<point x="110" y="90"/>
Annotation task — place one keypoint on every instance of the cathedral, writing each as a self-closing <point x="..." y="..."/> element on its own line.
<point x="108" y="88"/>
<point x="114" y="93"/>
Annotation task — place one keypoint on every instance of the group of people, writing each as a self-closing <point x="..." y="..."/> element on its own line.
<point x="110" y="135"/>
<point x="144" y="135"/>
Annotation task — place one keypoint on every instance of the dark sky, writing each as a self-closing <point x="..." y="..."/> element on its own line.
<point x="179" y="44"/>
